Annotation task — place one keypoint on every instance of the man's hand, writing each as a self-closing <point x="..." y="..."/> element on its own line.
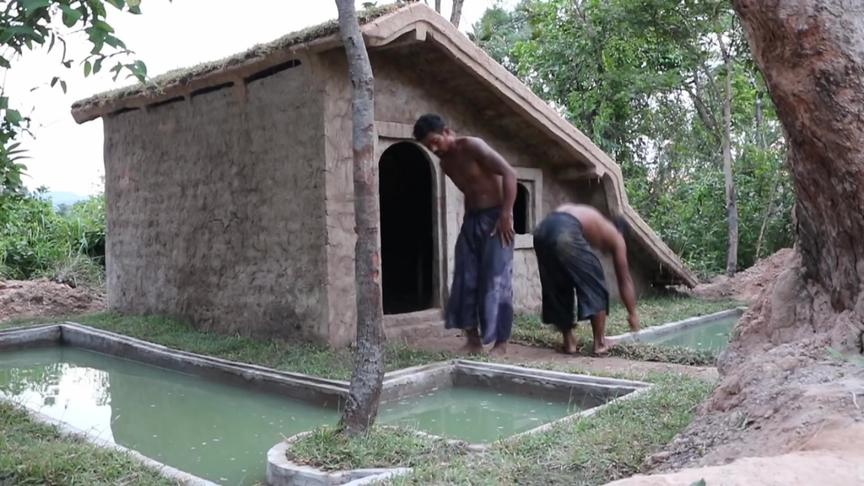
<point x="504" y="228"/>
<point x="633" y="320"/>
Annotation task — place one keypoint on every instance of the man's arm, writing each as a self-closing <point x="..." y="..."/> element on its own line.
<point x="492" y="161"/>
<point x="625" y="281"/>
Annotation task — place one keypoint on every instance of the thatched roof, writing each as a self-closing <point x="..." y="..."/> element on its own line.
<point x="183" y="76"/>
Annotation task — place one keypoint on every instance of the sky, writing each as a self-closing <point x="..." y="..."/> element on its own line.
<point x="67" y="157"/>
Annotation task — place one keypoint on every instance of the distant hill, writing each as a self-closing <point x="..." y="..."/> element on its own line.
<point x="60" y="197"/>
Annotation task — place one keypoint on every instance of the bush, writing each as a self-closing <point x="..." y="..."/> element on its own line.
<point x="37" y="241"/>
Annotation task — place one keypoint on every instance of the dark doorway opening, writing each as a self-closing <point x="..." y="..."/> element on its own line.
<point x="407" y="236"/>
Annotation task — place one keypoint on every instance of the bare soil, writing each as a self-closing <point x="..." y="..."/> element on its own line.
<point x="532" y="355"/>
<point x="747" y="285"/>
<point x="44" y="298"/>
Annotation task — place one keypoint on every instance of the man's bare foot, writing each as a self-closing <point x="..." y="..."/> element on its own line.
<point x="571" y="345"/>
<point x="471" y="348"/>
<point x="500" y="349"/>
<point x="570" y="348"/>
<point x="601" y="351"/>
<point x="473" y="345"/>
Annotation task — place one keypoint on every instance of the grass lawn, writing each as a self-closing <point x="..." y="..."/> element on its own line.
<point x="609" y="445"/>
<point x="36" y="454"/>
<point x="529" y="330"/>
<point x="273" y="353"/>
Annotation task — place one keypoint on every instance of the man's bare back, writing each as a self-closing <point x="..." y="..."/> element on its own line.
<point x="600" y="233"/>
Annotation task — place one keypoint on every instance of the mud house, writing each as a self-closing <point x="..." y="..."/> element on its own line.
<point x="229" y="186"/>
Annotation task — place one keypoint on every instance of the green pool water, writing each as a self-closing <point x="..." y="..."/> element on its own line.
<point x="219" y="431"/>
<point x="711" y="337"/>
<point x="473" y="414"/>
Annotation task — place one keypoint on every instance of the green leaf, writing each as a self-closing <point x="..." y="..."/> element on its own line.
<point x="87" y="68"/>
<point x="63" y="85"/>
<point x="97" y="65"/>
<point x="134" y="3"/>
<point x="71" y="16"/>
<point x="13" y="116"/>
<point x="31" y="6"/>
<point x="117" y="3"/>
<point x="54" y="81"/>
<point x="4" y="102"/>
<point x="114" y="42"/>
<point x="103" y="26"/>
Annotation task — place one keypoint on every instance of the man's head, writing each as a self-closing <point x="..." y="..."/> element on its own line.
<point x="431" y="130"/>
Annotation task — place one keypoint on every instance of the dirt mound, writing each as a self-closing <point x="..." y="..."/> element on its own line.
<point x="782" y="381"/>
<point x="835" y="457"/>
<point x="748" y="284"/>
<point x="44" y="298"/>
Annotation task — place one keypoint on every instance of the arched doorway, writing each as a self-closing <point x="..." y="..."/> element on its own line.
<point x="407" y="229"/>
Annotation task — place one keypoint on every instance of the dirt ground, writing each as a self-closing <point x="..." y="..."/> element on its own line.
<point x="44" y="298"/>
<point x="747" y="285"/>
<point x="528" y="355"/>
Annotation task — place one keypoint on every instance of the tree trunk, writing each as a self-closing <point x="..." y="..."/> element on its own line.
<point x="438" y="6"/>
<point x="456" y="14"/>
<point x="731" y="204"/>
<point x="368" y="376"/>
<point x="810" y="55"/>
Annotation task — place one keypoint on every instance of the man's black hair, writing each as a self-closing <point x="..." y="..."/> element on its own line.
<point x="428" y="123"/>
<point x="622" y="225"/>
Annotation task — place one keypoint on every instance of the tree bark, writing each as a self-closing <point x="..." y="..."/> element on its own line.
<point x="731" y="203"/>
<point x="438" y="6"/>
<point x="368" y="376"/>
<point x="456" y="14"/>
<point x="810" y="55"/>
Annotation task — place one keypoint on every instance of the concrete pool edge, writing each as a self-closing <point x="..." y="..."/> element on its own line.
<point x="397" y="384"/>
<point x="283" y="472"/>
<point x="672" y="327"/>
<point x="70" y="431"/>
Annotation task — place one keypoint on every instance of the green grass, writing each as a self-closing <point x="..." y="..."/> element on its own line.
<point x="36" y="454"/>
<point x="529" y="330"/>
<point x="274" y="353"/>
<point x="328" y="449"/>
<point x="609" y="445"/>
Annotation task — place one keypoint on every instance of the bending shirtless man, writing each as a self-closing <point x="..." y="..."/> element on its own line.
<point x="481" y="297"/>
<point x="563" y="243"/>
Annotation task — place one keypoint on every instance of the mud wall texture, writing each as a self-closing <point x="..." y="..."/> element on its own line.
<point x="216" y="208"/>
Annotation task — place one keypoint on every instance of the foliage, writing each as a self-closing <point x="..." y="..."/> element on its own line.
<point x="644" y="80"/>
<point x="26" y="25"/>
<point x="37" y="241"/>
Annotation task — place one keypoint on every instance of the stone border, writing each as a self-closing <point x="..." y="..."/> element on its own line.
<point x="672" y="327"/>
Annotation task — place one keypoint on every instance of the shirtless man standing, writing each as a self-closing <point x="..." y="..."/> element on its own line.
<point x="563" y="243"/>
<point x="481" y="297"/>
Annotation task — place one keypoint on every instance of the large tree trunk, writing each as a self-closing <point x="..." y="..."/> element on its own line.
<point x="810" y="53"/>
<point x="456" y="14"/>
<point x="368" y="375"/>
<point x="731" y="203"/>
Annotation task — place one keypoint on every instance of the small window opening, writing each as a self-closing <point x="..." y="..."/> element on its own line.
<point x="273" y="70"/>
